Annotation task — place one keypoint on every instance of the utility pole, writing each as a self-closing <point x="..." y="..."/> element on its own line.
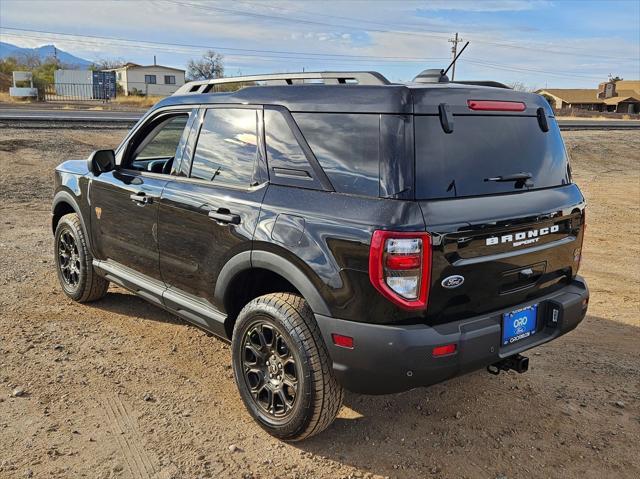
<point x="454" y="52"/>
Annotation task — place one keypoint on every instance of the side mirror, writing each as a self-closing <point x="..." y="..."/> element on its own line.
<point x="101" y="161"/>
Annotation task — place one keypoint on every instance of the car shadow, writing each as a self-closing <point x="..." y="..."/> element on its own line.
<point x="128" y="304"/>
<point x="480" y="425"/>
<point x="477" y="425"/>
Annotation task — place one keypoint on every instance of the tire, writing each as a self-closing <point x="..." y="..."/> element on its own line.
<point x="74" y="263"/>
<point x="301" y="408"/>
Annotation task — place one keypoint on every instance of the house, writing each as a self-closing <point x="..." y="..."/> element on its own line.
<point x="621" y="96"/>
<point x="156" y="80"/>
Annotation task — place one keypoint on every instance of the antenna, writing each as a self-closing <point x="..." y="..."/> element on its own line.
<point x="444" y="72"/>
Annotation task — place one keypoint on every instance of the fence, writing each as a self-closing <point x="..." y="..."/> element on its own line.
<point x="75" y="92"/>
<point x="104" y="92"/>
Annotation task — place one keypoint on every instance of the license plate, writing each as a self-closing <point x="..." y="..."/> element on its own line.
<point x="519" y="324"/>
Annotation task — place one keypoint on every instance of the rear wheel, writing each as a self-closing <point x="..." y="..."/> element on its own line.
<point x="74" y="262"/>
<point x="282" y="367"/>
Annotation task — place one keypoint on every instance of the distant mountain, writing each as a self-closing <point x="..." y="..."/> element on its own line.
<point x="44" y="52"/>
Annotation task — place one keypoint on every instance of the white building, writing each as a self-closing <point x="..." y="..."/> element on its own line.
<point x="154" y="80"/>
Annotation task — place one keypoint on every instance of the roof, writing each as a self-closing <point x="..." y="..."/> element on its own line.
<point x="379" y="99"/>
<point x="574" y="95"/>
<point x="628" y="86"/>
<point x="635" y="93"/>
<point x="614" y="100"/>
<point x="132" y="66"/>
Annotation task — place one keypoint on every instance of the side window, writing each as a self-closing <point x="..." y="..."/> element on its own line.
<point x="347" y="147"/>
<point x="283" y="149"/>
<point x="227" y="147"/>
<point x="156" y="146"/>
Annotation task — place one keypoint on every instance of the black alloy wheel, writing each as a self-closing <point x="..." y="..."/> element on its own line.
<point x="69" y="258"/>
<point x="74" y="262"/>
<point x="282" y="367"/>
<point x="270" y="369"/>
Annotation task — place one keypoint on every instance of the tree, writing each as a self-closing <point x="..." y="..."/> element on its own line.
<point x="108" y="64"/>
<point x="208" y="67"/>
<point x="45" y="71"/>
<point x="521" y="86"/>
<point x="8" y="65"/>
<point x="29" y="60"/>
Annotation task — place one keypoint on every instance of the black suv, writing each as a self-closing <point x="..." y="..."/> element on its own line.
<point x="340" y="230"/>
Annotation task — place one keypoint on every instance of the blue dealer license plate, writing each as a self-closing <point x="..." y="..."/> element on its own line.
<point x="519" y="324"/>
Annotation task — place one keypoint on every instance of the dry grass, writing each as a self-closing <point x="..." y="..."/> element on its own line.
<point x="599" y="117"/>
<point x="140" y="101"/>
<point x="6" y="98"/>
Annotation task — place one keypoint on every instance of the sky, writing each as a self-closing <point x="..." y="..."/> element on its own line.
<point x="540" y="43"/>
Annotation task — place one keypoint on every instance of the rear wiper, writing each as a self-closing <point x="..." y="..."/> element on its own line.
<point x="513" y="177"/>
<point x="521" y="179"/>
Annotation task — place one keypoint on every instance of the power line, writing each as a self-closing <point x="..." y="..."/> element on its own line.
<point x="542" y="47"/>
<point x="138" y="42"/>
<point x="433" y="34"/>
<point x="500" y="66"/>
<point x="274" y="54"/>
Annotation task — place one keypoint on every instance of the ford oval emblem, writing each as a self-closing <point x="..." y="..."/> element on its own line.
<point x="451" y="282"/>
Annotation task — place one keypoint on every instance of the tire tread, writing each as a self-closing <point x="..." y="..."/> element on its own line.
<point x="95" y="286"/>
<point x="327" y="393"/>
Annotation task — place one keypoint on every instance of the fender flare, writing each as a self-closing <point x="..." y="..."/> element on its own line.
<point x="63" y="196"/>
<point x="276" y="264"/>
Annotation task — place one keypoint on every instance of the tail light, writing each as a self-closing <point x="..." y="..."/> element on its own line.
<point x="496" y="105"/>
<point x="400" y="267"/>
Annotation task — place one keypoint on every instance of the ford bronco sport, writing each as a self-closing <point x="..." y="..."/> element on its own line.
<point x="340" y="230"/>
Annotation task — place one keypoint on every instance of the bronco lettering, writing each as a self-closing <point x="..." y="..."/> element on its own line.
<point x="532" y="235"/>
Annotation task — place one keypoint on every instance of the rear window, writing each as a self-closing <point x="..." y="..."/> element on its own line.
<point x="480" y="147"/>
<point x="347" y="148"/>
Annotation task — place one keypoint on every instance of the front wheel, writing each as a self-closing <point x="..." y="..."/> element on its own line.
<point x="74" y="262"/>
<point x="282" y="367"/>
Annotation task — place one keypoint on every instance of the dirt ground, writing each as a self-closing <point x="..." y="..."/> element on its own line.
<point x="122" y="389"/>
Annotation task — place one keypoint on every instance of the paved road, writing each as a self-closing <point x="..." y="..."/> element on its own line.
<point x="30" y="114"/>
<point x="126" y="118"/>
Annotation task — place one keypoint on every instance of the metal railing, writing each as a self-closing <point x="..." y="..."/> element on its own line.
<point x="75" y="92"/>
<point x="326" y="78"/>
<point x="103" y="92"/>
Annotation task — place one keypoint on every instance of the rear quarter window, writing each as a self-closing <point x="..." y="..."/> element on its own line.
<point x="347" y="148"/>
<point x="480" y="147"/>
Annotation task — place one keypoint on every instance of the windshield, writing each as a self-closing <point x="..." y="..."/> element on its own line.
<point x="483" y="152"/>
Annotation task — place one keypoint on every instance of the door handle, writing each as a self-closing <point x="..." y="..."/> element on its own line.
<point x="224" y="216"/>
<point x="141" y="198"/>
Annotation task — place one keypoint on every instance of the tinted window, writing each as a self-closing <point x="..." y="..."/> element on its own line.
<point x="183" y="154"/>
<point x="160" y="143"/>
<point x="283" y="149"/>
<point x="227" y="147"/>
<point x="346" y="146"/>
<point x="480" y="147"/>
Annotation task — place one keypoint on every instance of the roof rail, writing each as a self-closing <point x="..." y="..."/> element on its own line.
<point x="326" y="78"/>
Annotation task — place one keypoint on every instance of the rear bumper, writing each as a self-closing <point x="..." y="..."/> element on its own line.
<point x="388" y="359"/>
